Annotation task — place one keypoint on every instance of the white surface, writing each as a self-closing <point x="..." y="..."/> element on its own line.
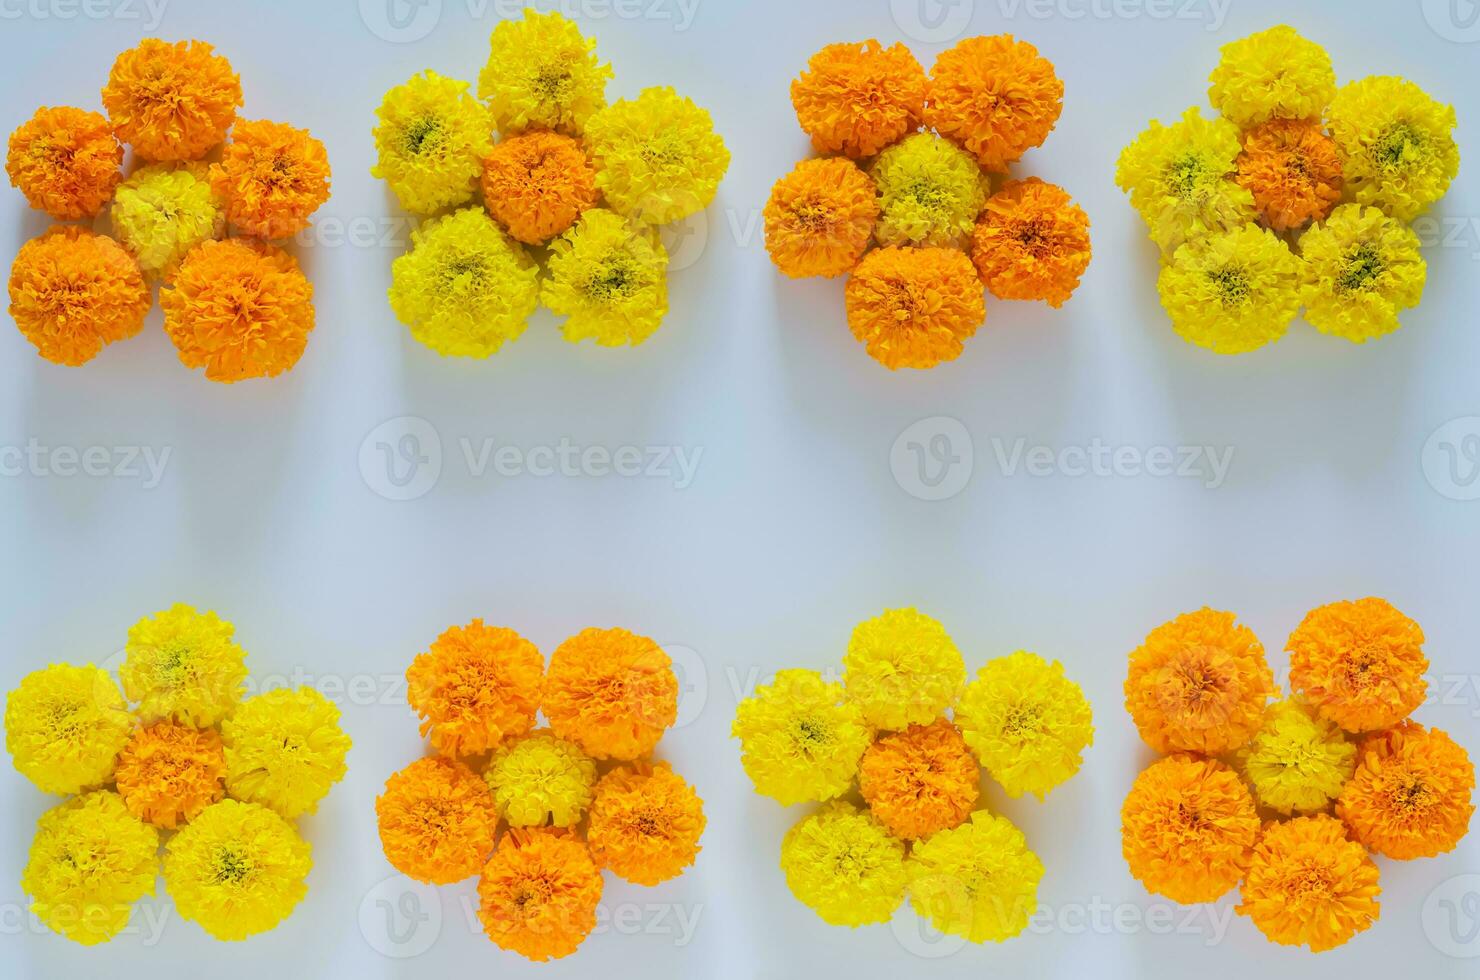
<point x="794" y="527"/>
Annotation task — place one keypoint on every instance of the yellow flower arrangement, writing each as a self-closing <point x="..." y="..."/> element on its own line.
<point x="542" y="74"/>
<point x="930" y="192"/>
<point x="430" y="141"/>
<point x="1273" y="74"/>
<point x="162" y="211"/>
<point x="842" y="864"/>
<point x="64" y="728"/>
<point x="183" y="665"/>
<point x="285" y="750"/>
<point x="800" y="738"/>
<point x="1396" y="143"/>
<point x="1363" y="269"/>
<point x="978" y="881"/>
<point x="608" y="278"/>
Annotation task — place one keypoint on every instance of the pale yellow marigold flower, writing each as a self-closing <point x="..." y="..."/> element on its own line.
<point x="1297" y="762"/>
<point x="163" y="211"/>
<point x="541" y="779"/>
<point x="800" y="739"/>
<point x="430" y="142"/>
<point x="285" y="750"/>
<point x="64" y="727"/>
<point x="1362" y="270"/>
<point x="902" y="668"/>
<point x="608" y="278"/>
<point x="182" y="665"/>
<point x="1232" y="292"/>
<point x="930" y="192"/>
<point x="1397" y="144"/>
<point x="978" y="881"/>
<point x="1274" y="74"/>
<point x="542" y="74"/>
<point x="841" y="863"/>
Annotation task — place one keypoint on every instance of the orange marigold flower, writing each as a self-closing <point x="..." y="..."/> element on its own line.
<point x="1188" y="828"/>
<point x="73" y="292"/>
<point x="1031" y="242"/>
<point x="820" y="216"/>
<point x="1410" y="795"/>
<point x="1198" y="684"/>
<point x="921" y="780"/>
<point x="537" y="184"/>
<point x="611" y="692"/>
<point x="437" y="820"/>
<point x="168" y="773"/>
<point x="996" y="96"/>
<point x="858" y="98"/>
<point x="172" y="101"/>
<point x="1359" y="664"/>
<point x="238" y="308"/>
<point x="645" y="823"/>
<point x="538" y="893"/>
<point x="1293" y="170"/>
<point x="914" y="307"/>
<point x="272" y="176"/>
<point x="475" y="687"/>
<point x="65" y="161"/>
<point x="1308" y="884"/>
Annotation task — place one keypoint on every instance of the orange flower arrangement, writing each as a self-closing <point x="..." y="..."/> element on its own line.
<point x="272" y="177"/>
<point x="538" y="894"/>
<point x="1309" y="885"/>
<point x="168" y="773"/>
<point x="73" y="292"/>
<point x="172" y="101"/>
<point x="820" y="217"/>
<point x="914" y="307"/>
<point x="1410" y="796"/>
<point x="611" y="692"/>
<point x="537" y="184"/>
<point x="1360" y="664"/>
<point x="66" y="161"/>
<point x="1293" y="170"/>
<point x="437" y="820"/>
<point x="645" y="823"/>
<point x="856" y="99"/>
<point x="996" y="96"/>
<point x="921" y="780"/>
<point x="476" y="686"/>
<point x="1031" y="242"/>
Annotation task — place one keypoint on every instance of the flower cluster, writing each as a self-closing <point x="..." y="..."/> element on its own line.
<point x="904" y="725"/>
<point x="239" y="307"/>
<point x="1297" y="195"/>
<point x="577" y="797"/>
<point x="1284" y="798"/>
<point x="909" y="165"/>
<point x="216" y="778"/>
<point x="581" y="183"/>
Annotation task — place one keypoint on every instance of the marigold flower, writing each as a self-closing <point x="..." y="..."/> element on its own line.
<point x="64" y="727"/>
<point x="1309" y="885"/>
<point x="921" y="780"/>
<point x="1410" y="796"/>
<point x="540" y="779"/>
<point x="1359" y="664"/>
<point x="1293" y="171"/>
<point x="645" y="823"/>
<point x="1397" y="144"/>
<point x="820" y="217"/>
<point x="542" y="74"/>
<point x="996" y="96"/>
<point x="608" y="278"/>
<point x="65" y="161"/>
<point x="857" y="99"/>
<point x="240" y="309"/>
<point x="1363" y="269"/>
<point x="163" y="211"/>
<point x="930" y="192"/>
<point x="902" y="669"/>
<point x="1297" y="762"/>
<point x="475" y="687"/>
<point x="171" y="101"/>
<point x="272" y="177"/>
<point x="168" y="773"/>
<point x="611" y="692"/>
<point x="799" y="738"/>
<point x="1031" y="242"/>
<point x="538" y="894"/>
<point x="979" y="881"/>
<point x="1232" y="292"/>
<point x="1273" y="74"/>
<point x="437" y="820"/>
<point x="90" y="861"/>
<point x="182" y="665"/>
<point x="914" y="307"/>
<point x="73" y="292"/>
<point x="841" y="863"/>
<point x="431" y="136"/>
<point x="537" y="184"/>
<point x="1188" y="828"/>
<point x="285" y="750"/>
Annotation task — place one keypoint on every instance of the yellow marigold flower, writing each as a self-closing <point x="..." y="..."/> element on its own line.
<point x="1027" y="723"/>
<point x="1410" y="797"/>
<point x="73" y="292"/>
<point x="237" y="869"/>
<point x="272" y="177"/>
<point x="464" y="287"/>
<point x="168" y="773"/>
<point x="540" y="779"/>
<point x="611" y="692"/>
<point x="90" y="861"/>
<point x="475" y="687"/>
<point x="902" y="669"/>
<point x="539" y="893"/>
<point x="437" y="820"/>
<point x="163" y="211"/>
<point x="65" y="161"/>
<point x="537" y="184"/>
<point x="1297" y="762"/>
<point x="182" y="665"/>
<point x="430" y="140"/>
<point x="1233" y="291"/>
<point x="1293" y="171"/>
<point x="1397" y="144"/>
<point x="1031" y="242"/>
<point x="1309" y="885"/>
<point x="239" y="308"/>
<point x="979" y="881"/>
<point x="172" y="101"/>
<point x="841" y="863"/>
<point x="1188" y="828"/>
<point x="799" y="738"/>
<point x="645" y="823"/>
<point x="1363" y="269"/>
<point x="542" y="74"/>
<point x="285" y="750"/>
<point x="856" y="99"/>
<point x="930" y="192"/>
<point x="996" y="96"/>
<point x="1274" y="74"/>
<point x="608" y="278"/>
<point x="1359" y="664"/>
<point x="914" y="307"/>
<point x="820" y="217"/>
<point x="64" y="727"/>
<point x="921" y="780"/>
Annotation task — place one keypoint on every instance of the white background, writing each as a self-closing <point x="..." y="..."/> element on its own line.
<point x="795" y="526"/>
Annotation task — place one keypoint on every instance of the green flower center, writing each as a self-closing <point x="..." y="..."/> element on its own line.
<point x="1363" y="266"/>
<point x="617" y="278"/>
<point x="418" y="133"/>
<point x="1185" y="174"/>
<point x="232" y="867"/>
<point x="1232" y="285"/>
<point x="1398" y="146"/>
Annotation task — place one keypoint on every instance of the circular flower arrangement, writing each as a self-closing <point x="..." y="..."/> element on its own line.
<point x="578" y="798"/>
<point x="238" y="307"/>
<point x="1298" y="195"/>
<point x="905" y="727"/>
<point x="910" y="167"/>
<point x="214" y="777"/>
<point x="562" y="210"/>
<point x="1285" y="798"/>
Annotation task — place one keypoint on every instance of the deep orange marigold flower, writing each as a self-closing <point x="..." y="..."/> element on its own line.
<point x="645" y="823"/>
<point x="820" y="216"/>
<point x="240" y="309"/>
<point x="168" y="773"/>
<point x="1410" y="795"/>
<point x="858" y="98"/>
<point x="1359" y="664"/>
<point x="437" y="820"/>
<point x="914" y="307"/>
<point x="172" y="101"/>
<point x="73" y="292"/>
<point x="1293" y="170"/>
<point x="272" y="177"/>
<point x="1308" y="884"/>
<point x="921" y="780"/>
<point x="611" y="692"/>
<point x="1031" y="242"/>
<point x="537" y="184"/>
<point x="538" y="893"/>
<point x="996" y="96"/>
<point x="475" y="687"/>
<point x="65" y="161"/>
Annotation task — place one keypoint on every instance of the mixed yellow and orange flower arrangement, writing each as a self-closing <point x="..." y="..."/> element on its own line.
<point x="175" y="756"/>
<point x="234" y="303"/>
<point x="894" y="753"/>
<point x="1298" y="194"/>
<point x="1287" y="798"/>
<point x="577" y="797"/>
<point x="903" y="200"/>
<point x="563" y="209"/>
